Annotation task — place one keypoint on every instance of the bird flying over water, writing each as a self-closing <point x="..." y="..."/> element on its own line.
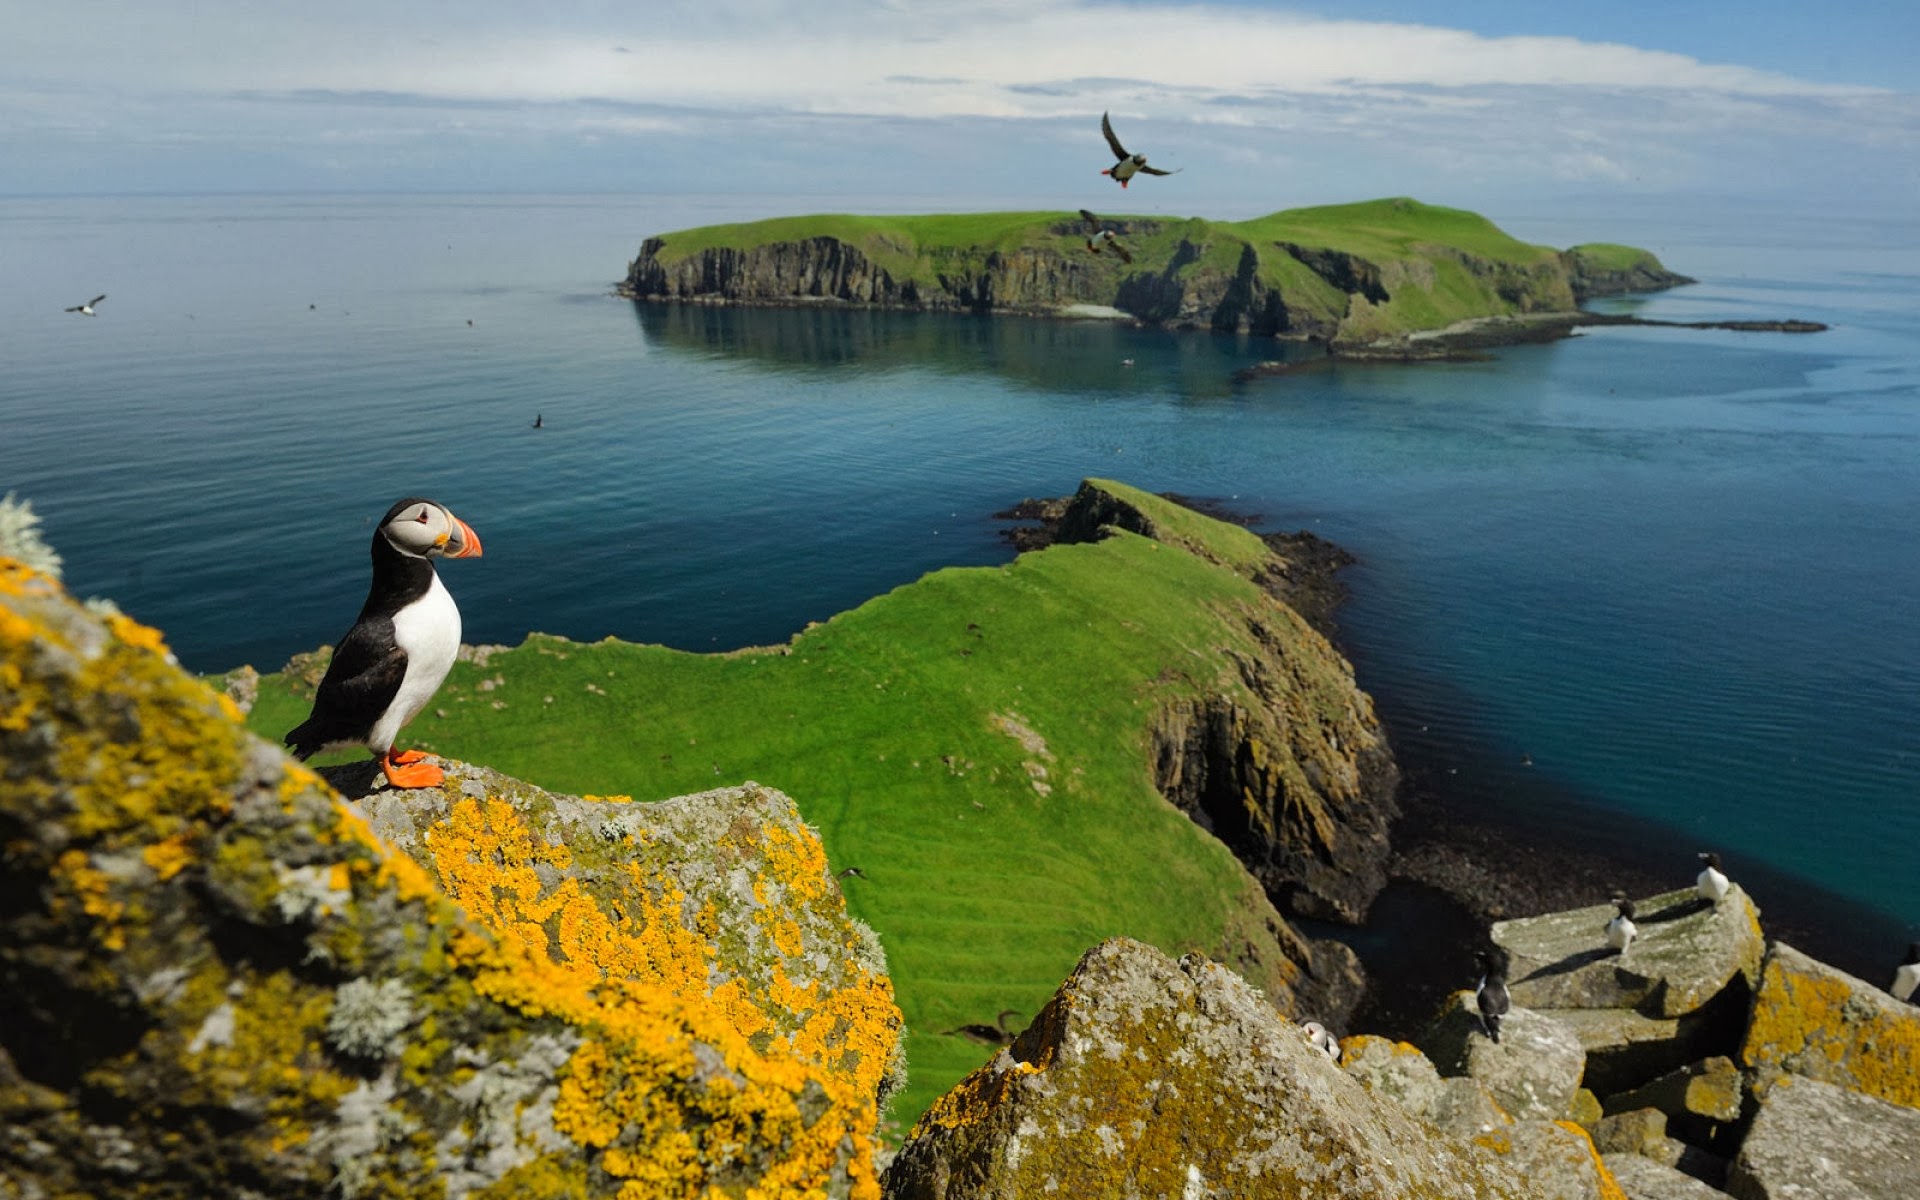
<point x="1129" y="164"/>
<point x="1100" y="237"/>
<point x="86" y="310"/>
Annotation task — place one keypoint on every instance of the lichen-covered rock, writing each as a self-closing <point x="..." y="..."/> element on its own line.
<point x="1626" y="1048"/>
<point x="1687" y="952"/>
<point x="1635" y="1131"/>
<point x="1709" y="1089"/>
<point x="1813" y="1020"/>
<point x="1144" y="1077"/>
<point x="1556" y="1158"/>
<point x="1644" y="1179"/>
<point x="1814" y="1141"/>
<point x="1395" y="1071"/>
<point x="1465" y="1109"/>
<point x="1533" y="1070"/>
<point x="220" y="981"/>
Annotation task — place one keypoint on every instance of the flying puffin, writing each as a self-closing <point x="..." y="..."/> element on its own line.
<point x="1711" y="884"/>
<point x="1906" y="977"/>
<point x="1491" y="993"/>
<point x="394" y="658"/>
<point x="1128" y="165"/>
<point x="1099" y="237"/>
<point x="86" y="310"/>
<point x="1621" y="930"/>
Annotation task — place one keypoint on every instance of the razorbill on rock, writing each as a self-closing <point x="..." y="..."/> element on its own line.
<point x="394" y="658"/>
<point x="1621" y="930"/>
<point x="1906" y="977"/>
<point x="1491" y="992"/>
<point x="1711" y="884"/>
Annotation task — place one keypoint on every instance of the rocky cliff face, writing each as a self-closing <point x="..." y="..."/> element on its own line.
<point x="1189" y="274"/>
<point x="218" y="978"/>
<point x="1299" y="784"/>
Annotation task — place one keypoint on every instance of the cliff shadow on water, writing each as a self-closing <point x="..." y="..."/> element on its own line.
<point x="1051" y="354"/>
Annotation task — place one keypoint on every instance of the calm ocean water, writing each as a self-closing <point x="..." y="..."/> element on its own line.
<point x="1676" y="569"/>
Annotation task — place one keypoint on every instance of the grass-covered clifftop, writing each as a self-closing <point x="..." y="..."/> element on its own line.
<point x="982" y="746"/>
<point x="1353" y="275"/>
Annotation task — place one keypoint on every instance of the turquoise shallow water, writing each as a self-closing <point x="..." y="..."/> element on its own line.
<point x="1675" y="568"/>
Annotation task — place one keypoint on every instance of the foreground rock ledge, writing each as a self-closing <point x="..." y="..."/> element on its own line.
<point x="215" y="979"/>
<point x="1146" y="1078"/>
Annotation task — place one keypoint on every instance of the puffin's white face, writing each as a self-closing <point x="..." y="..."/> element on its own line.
<point x="424" y="529"/>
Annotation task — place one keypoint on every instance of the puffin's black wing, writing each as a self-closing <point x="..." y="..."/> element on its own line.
<point x="96" y="299"/>
<point x="1092" y="221"/>
<point x="1106" y="127"/>
<point x="360" y="683"/>
<point x="1125" y="255"/>
<point x="1158" y="171"/>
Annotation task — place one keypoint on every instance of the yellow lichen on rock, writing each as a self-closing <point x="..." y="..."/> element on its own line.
<point x="1814" y="1020"/>
<point x="227" y="974"/>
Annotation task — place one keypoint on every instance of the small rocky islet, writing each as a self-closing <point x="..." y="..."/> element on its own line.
<point x="226" y="977"/>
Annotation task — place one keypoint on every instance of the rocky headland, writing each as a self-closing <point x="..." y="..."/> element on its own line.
<point x="1362" y="279"/>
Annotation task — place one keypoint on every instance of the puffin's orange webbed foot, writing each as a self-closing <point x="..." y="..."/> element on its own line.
<point x="408" y="770"/>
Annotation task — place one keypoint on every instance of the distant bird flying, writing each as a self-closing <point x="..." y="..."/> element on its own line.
<point x="1128" y="165"/>
<point x="539" y="421"/>
<point x="86" y="310"/>
<point x="1099" y="237"/>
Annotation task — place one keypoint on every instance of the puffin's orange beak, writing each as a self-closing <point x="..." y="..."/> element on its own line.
<point x="468" y="542"/>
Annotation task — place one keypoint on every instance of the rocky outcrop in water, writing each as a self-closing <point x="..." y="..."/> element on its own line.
<point x="1422" y="268"/>
<point x="218" y="978"/>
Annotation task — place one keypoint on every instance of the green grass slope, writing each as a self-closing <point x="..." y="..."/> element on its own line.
<point x="976" y="743"/>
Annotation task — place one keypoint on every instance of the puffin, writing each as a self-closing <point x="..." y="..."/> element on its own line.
<point x="1128" y="165"/>
<point x="400" y="649"/>
<point x="1621" y="930"/>
<point x="86" y="310"/>
<point x="1491" y="993"/>
<point x="1711" y="884"/>
<point x="1100" y="237"/>
<point x="1906" y="977"/>
<point x="1321" y="1039"/>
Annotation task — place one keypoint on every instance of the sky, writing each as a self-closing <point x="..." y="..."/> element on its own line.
<point x="1496" y="103"/>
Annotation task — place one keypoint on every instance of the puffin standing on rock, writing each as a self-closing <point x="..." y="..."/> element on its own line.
<point x="1711" y="884"/>
<point x="400" y="649"/>
<point x="1621" y="930"/>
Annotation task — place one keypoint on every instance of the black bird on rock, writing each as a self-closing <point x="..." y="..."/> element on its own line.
<point x="1491" y="993"/>
<point x="1128" y="165"/>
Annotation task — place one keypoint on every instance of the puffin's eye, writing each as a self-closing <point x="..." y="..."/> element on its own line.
<point x="422" y="518"/>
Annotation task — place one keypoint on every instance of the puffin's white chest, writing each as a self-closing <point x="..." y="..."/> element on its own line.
<point x="1906" y="981"/>
<point x="1125" y="169"/>
<point x="1620" y="933"/>
<point x="428" y="630"/>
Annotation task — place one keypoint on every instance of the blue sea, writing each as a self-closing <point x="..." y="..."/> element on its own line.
<point x="1675" y="571"/>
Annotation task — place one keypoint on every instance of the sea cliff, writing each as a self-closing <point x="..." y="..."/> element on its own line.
<point x="1355" y="277"/>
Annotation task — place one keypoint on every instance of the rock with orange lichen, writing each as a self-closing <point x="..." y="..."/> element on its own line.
<point x="1146" y="1077"/>
<point x="218" y="980"/>
<point x="1815" y="1020"/>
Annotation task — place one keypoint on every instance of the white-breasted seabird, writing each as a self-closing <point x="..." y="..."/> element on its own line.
<point x="1490" y="994"/>
<point x="1099" y="237"/>
<point x="1621" y="930"/>
<point x="86" y="310"/>
<point x="1906" y="977"/>
<point x="400" y="648"/>
<point x="1321" y="1039"/>
<point x="1711" y="884"/>
<point x="1128" y="165"/>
